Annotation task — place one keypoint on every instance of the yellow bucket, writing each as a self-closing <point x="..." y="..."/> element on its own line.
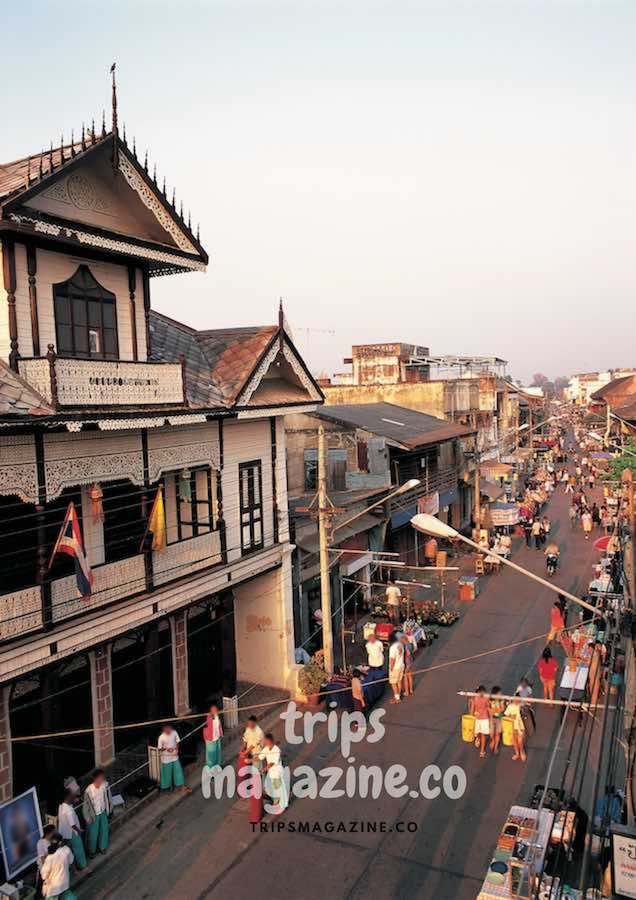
<point x="468" y="728"/>
<point x="507" y="730"/>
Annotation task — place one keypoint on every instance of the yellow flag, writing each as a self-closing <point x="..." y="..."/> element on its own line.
<point x="157" y="522"/>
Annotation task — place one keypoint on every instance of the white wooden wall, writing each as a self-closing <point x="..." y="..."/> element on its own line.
<point x="244" y="441"/>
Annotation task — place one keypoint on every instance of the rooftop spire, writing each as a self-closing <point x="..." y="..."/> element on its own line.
<point x="114" y="125"/>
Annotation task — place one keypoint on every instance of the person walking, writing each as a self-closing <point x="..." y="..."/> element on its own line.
<point x="536" y="533"/>
<point x="396" y="669"/>
<point x="596" y="516"/>
<point x="546" y="525"/>
<point x="527" y="530"/>
<point x="572" y="513"/>
<point x="556" y="622"/>
<point x="96" y="808"/>
<point x="375" y="652"/>
<point x="68" y="825"/>
<point x="496" y="715"/>
<point x="409" y="656"/>
<point x="586" y="521"/>
<point x="393" y="598"/>
<point x="480" y="708"/>
<point x="513" y="711"/>
<point x="547" y="667"/>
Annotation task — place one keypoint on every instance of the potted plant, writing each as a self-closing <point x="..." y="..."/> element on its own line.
<point x="311" y="678"/>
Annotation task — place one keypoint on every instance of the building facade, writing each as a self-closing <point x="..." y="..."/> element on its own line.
<point x="114" y="408"/>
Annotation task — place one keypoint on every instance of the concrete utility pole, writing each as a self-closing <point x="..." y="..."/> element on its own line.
<point x="323" y="521"/>
<point x="477" y="497"/>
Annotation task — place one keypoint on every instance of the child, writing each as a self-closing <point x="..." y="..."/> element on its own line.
<point x="480" y="708"/>
<point x="496" y="713"/>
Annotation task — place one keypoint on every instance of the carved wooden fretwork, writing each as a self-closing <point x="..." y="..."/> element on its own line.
<point x="62" y="473"/>
<point x="18" y="470"/>
<point x="110" y="582"/>
<point x="166" y="459"/>
<point x="80" y="191"/>
<point x="95" y="240"/>
<point x="21" y="612"/>
<point x="150" y="200"/>
<point x="264" y="367"/>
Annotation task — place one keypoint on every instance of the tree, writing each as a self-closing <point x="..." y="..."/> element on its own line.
<point x="624" y="461"/>
<point x="540" y="380"/>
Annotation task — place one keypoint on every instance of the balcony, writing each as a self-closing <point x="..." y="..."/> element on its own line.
<point x="24" y="611"/>
<point x="81" y="383"/>
<point x="436" y="482"/>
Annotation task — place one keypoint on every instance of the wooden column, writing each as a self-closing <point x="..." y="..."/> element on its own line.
<point x="272" y="428"/>
<point x="146" y="288"/>
<point x="150" y="583"/>
<point x="219" y="497"/>
<point x="8" y="274"/>
<point x="132" y="285"/>
<point x="40" y="520"/>
<point x="32" y="268"/>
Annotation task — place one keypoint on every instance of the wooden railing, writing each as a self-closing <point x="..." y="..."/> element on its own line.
<point x="65" y="382"/>
<point x="430" y="483"/>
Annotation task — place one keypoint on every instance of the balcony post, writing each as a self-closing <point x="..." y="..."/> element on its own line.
<point x="52" y="356"/>
<point x="147" y="551"/>
<point x="219" y="497"/>
<point x="8" y="271"/>
<point x="40" y="518"/>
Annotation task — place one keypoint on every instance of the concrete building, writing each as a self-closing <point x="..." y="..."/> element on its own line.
<point x="104" y="403"/>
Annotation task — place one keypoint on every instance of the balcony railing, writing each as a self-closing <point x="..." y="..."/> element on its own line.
<point x="25" y="611"/>
<point x="84" y="383"/>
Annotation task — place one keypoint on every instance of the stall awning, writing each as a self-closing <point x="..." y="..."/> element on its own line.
<point x="310" y="542"/>
<point x="504" y="514"/>
<point x="490" y="489"/>
<point x="495" y="469"/>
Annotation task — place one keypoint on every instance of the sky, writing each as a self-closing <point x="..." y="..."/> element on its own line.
<point x="453" y="174"/>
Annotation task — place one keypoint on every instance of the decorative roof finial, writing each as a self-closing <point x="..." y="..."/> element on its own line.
<point x="146" y="162"/>
<point x="103" y="123"/>
<point x="92" y="131"/>
<point x="83" y="137"/>
<point x="62" y="147"/>
<point x="72" y="143"/>
<point x="181" y="211"/>
<point x="174" y="198"/>
<point x="41" y="167"/>
<point x="163" y="190"/>
<point x="51" y="158"/>
<point x="189" y="222"/>
<point x="281" y="323"/>
<point x="135" y="147"/>
<point x="198" y="238"/>
<point x="114" y="125"/>
<point x="123" y="137"/>
<point x="154" y="173"/>
<point x="28" y="174"/>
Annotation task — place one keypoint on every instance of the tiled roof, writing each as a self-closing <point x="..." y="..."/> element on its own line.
<point x="13" y="175"/>
<point x="218" y="362"/>
<point x="608" y="389"/>
<point x="17" y="397"/>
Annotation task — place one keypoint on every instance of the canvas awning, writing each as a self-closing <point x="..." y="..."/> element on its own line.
<point x="490" y="489"/>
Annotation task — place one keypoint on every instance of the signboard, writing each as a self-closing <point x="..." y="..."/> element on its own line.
<point x="20" y="831"/>
<point x="429" y="504"/>
<point x="624" y="861"/>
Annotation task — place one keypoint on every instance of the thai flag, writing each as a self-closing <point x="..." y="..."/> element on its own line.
<point x="70" y="542"/>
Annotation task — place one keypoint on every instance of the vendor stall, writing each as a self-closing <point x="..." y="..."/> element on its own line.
<point x="504" y="514"/>
<point x="519" y="854"/>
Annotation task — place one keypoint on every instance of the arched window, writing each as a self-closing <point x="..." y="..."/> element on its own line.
<point x="85" y="318"/>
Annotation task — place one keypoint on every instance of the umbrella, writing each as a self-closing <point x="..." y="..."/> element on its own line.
<point x="602" y="542"/>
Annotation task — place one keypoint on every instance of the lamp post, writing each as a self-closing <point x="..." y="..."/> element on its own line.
<point x="430" y="525"/>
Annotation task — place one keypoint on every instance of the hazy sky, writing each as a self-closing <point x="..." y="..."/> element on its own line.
<point x="456" y="174"/>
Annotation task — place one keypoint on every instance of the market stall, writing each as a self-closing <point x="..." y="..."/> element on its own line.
<point x="519" y="855"/>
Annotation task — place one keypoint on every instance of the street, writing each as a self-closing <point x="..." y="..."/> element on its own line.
<point x="206" y="848"/>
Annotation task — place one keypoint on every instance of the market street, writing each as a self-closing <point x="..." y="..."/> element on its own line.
<point x="207" y="848"/>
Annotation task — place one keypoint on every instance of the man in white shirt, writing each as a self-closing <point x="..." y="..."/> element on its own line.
<point x="69" y="827"/>
<point x="393" y="596"/>
<point x="55" y="869"/>
<point x="396" y="669"/>
<point x="253" y="737"/>
<point x="96" y="808"/>
<point x="171" y="768"/>
<point x="375" y="652"/>
<point x="42" y="851"/>
<point x="273" y="776"/>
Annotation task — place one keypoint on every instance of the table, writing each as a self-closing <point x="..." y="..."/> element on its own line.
<point x="577" y="679"/>
<point x="544" y="829"/>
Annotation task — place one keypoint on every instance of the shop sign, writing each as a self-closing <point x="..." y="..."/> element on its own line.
<point x="624" y="861"/>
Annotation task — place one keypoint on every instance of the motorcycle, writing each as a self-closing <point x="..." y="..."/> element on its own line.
<point x="551" y="564"/>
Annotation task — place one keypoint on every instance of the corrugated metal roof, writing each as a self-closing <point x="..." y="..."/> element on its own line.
<point x="406" y="427"/>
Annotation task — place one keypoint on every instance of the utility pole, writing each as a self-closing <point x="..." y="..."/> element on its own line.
<point x="477" y="497"/>
<point x="324" y="517"/>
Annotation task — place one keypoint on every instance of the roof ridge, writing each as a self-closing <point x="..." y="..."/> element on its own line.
<point x="189" y="328"/>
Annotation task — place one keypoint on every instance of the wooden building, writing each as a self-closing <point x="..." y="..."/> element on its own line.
<point x="102" y="402"/>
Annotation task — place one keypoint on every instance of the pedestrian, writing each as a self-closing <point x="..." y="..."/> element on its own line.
<point x="271" y="758"/>
<point x="42" y="851"/>
<point x="496" y="715"/>
<point x="556" y="622"/>
<point x="513" y="711"/>
<point x="255" y="789"/>
<point x="596" y="516"/>
<point x="171" y="773"/>
<point x="480" y="708"/>
<point x="396" y="669"/>
<point x="253" y="737"/>
<point x="68" y="825"/>
<point x="586" y="521"/>
<point x="407" y="643"/>
<point x="547" y="667"/>
<point x="573" y="513"/>
<point x="591" y="479"/>
<point x="527" y="530"/>
<point x="546" y="525"/>
<point x="536" y="533"/>
<point x="96" y="809"/>
<point x="375" y="652"/>
<point x="212" y="735"/>
<point x="56" y="870"/>
<point x="524" y="690"/>
<point x="357" y="692"/>
<point x="393" y="597"/>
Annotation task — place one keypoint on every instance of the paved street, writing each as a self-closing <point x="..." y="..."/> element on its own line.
<point x="207" y="849"/>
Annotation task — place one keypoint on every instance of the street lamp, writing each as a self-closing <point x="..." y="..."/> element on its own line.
<point x="431" y="525"/>
<point x="402" y="489"/>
